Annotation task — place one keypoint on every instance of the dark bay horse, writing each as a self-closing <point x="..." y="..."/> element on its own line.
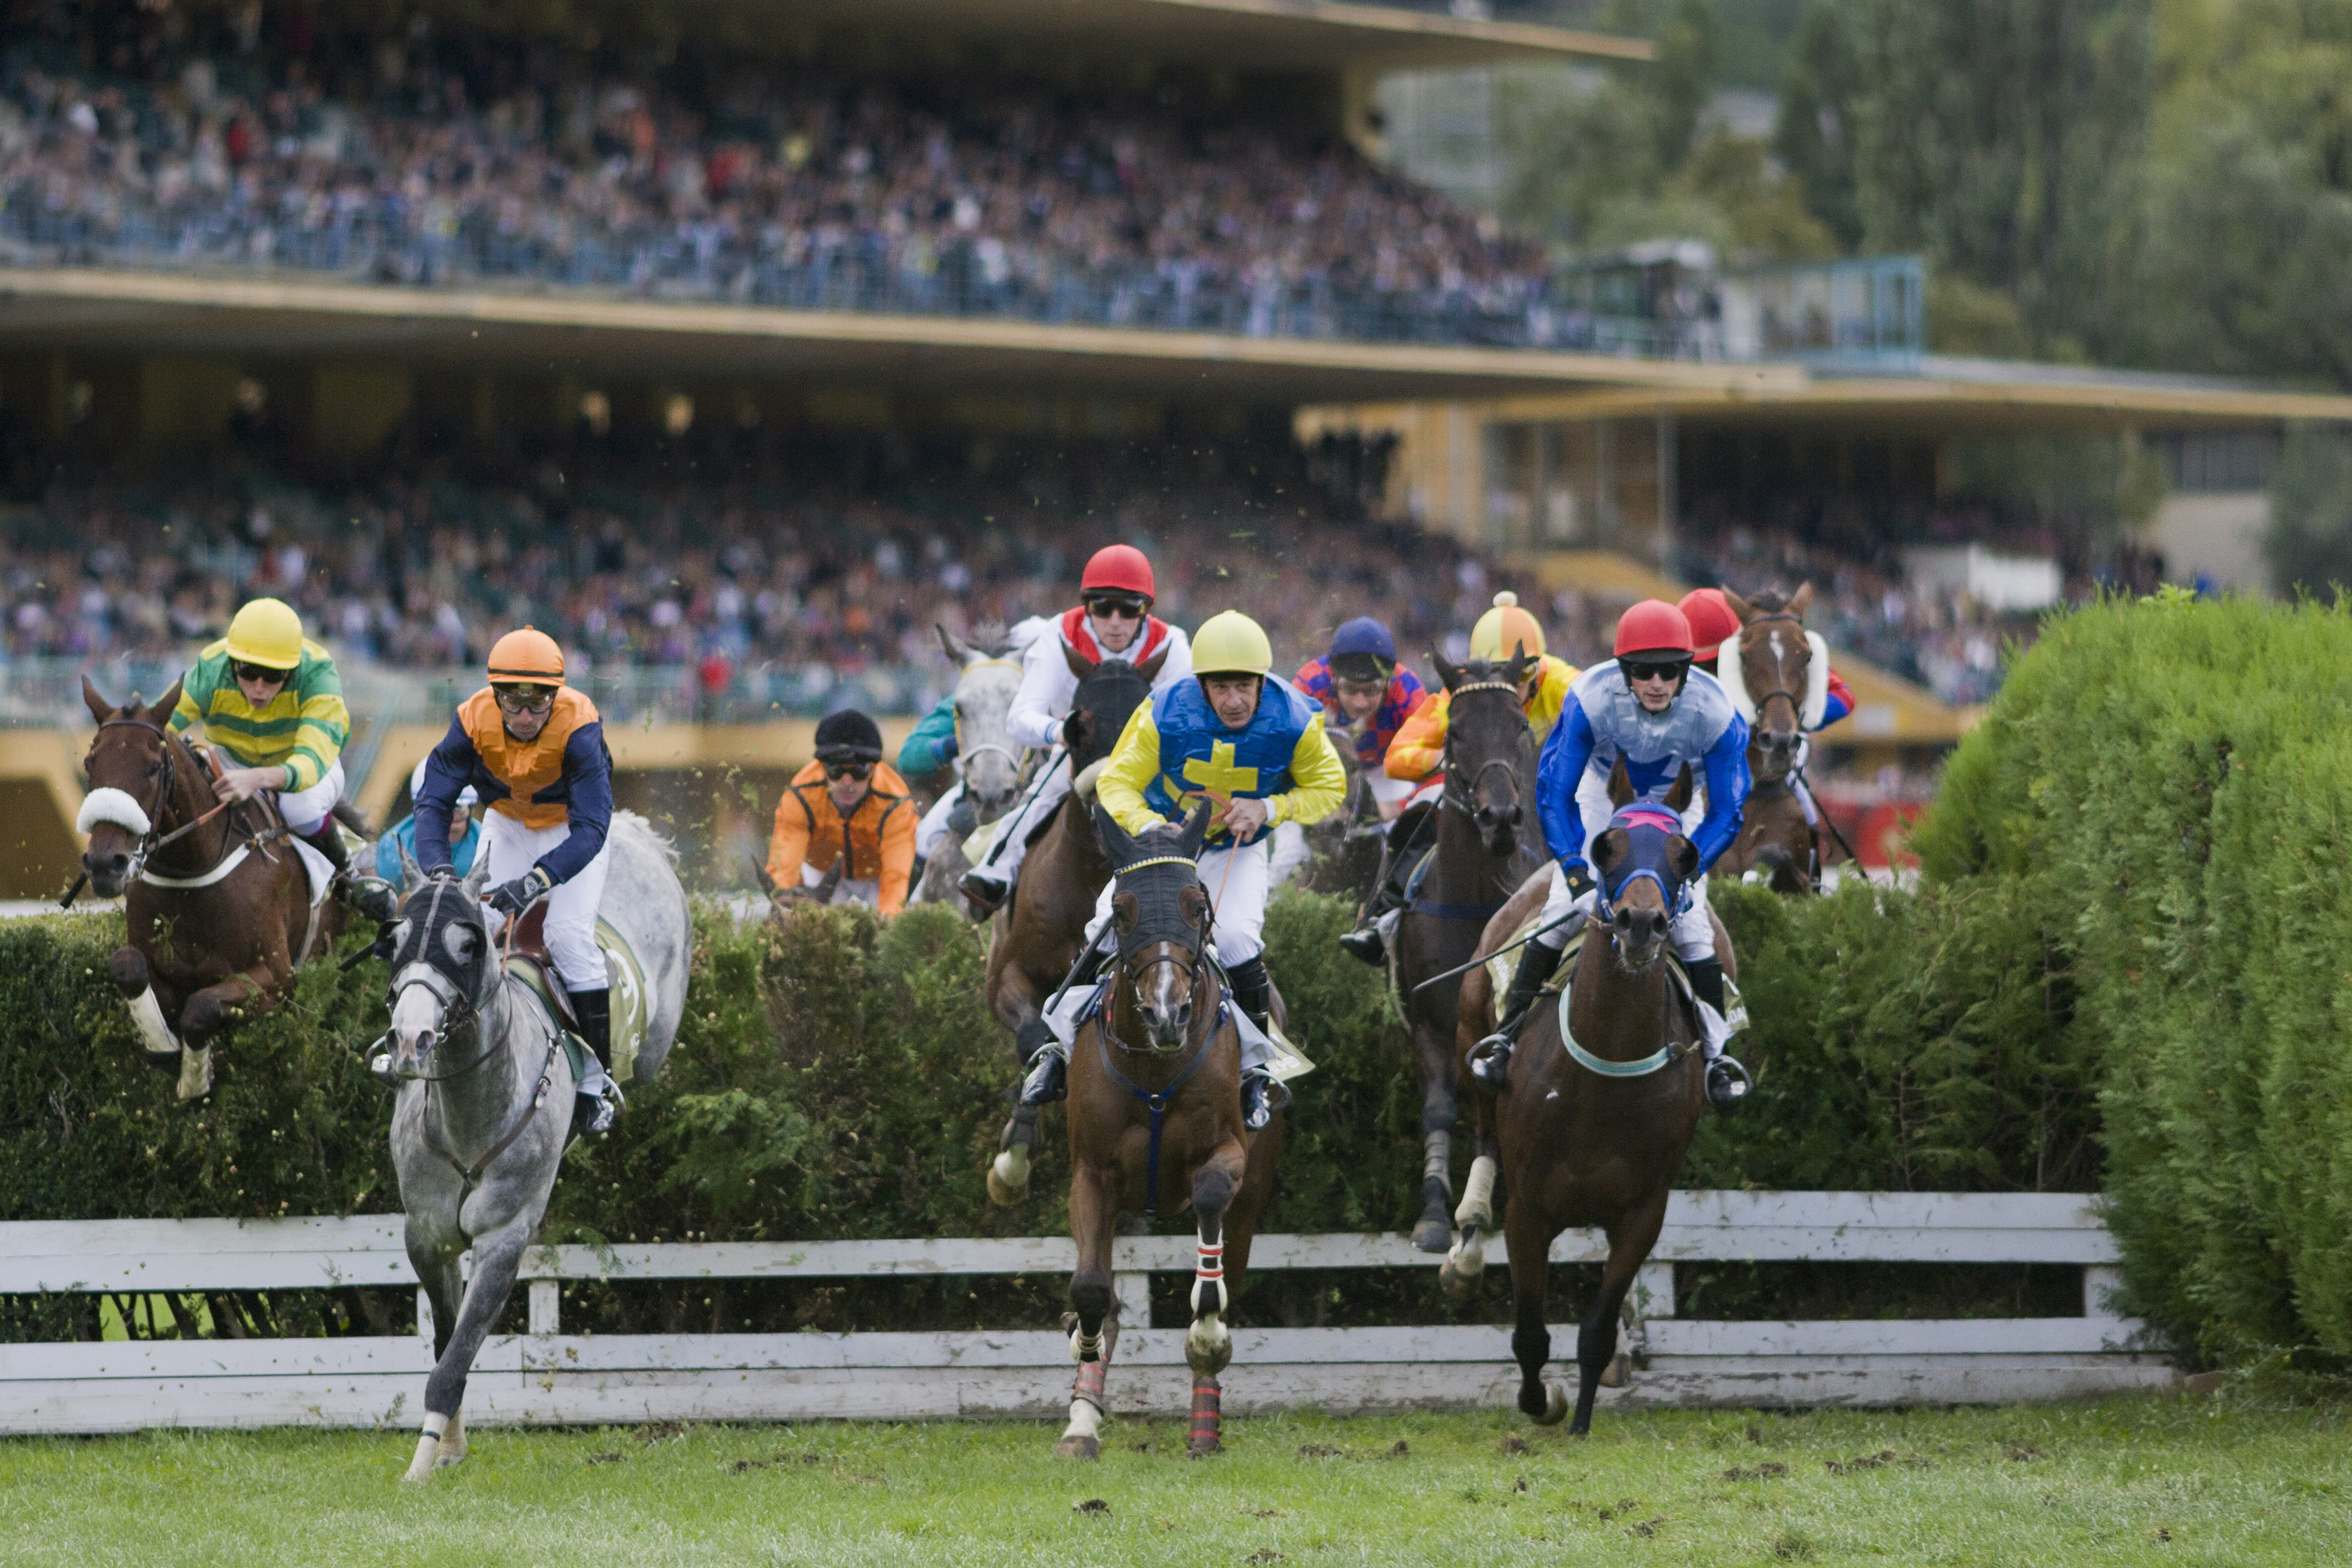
<point x="1595" y="1125"/>
<point x="1487" y="841"/>
<point x="217" y="903"/>
<point x="1156" y="1122"/>
<point x="1035" y="938"/>
<point x="1778" y="675"/>
<point x="1345" y="846"/>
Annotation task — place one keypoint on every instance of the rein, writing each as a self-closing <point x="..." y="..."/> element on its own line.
<point x="151" y="842"/>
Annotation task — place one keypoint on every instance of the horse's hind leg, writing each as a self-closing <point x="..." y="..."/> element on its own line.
<point x="1209" y="1344"/>
<point x="1629" y="1240"/>
<point x="498" y="1258"/>
<point x="1093" y="1209"/>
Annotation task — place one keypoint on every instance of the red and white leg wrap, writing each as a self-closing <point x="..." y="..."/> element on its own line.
<point x="1209" y="1278"/>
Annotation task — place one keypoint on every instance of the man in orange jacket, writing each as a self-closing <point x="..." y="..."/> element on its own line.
<point x="846" y="802"/>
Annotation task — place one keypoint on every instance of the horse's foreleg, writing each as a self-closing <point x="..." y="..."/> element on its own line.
<point x="1209" y="1343"/>
<point x="1462" y="1266"/>
<point x="1434" y="1230"/>
<point x="498" y="1258"/>
<point x="1629" y="1240"/>
<point x="1015" y="1002"/>
<point x="128" y="969"/>
<point x="243" y="995"/>
<point x="1093" y="1209"/>
<point x="1543" y="1402"/>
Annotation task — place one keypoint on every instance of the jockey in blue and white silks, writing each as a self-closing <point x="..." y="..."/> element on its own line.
<point x="1648" y="709"/>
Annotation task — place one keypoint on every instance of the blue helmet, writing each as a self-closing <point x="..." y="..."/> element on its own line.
<point x="1363" y="650"/>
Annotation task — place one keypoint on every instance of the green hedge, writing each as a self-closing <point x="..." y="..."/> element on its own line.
<point x="2167" y="785"/>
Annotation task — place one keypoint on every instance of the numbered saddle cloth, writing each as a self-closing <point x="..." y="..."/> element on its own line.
<point x="632" y="996"/>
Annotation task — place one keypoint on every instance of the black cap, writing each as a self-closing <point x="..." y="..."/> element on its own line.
<point x="848" y="736"/>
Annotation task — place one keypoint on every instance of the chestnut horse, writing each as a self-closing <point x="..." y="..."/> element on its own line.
<point x="218" y="905"/>
<point x="1777" y="674"/>
<point x="1037" y="936"/>
<point x="1155" y="1120"/>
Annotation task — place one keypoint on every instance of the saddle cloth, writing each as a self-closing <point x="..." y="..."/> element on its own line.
<point x="528" y="960"/>
<point x="1269" y="1047"/>
<point x="1503" y="966"/>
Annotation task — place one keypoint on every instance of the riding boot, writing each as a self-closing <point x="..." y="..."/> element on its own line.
<point x="1727" y="1081"/>
<point x="1253" y="992"/>
<point x="1490" y="1058"/>
<point x="985" y="889"/>
<point x="373" y="897"/>
<point x="1049" y="1070"/>
<point x="1370" y="939"/>
<point x="601" y="1095"/>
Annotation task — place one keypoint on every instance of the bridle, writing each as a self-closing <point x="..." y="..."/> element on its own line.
<point x="460" y="1011"/>
<point x="1467" y="803"/>
<point x="1796" y="699"/>
<point x="167" y="781"/>
<point x="1605" y="903"/>
<point x="1158" y="1101"/>
<point x="1131" y="971"/>
<point x="1014" y="759"/>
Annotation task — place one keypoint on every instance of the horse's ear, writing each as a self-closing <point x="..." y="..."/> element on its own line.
<point x="1521" y="662"/>
<point x="1739" y="606"/>
<point x="480" y="877"/>
<point x="1802" y="600"/>
<point x="1448" y="673"/>
<point x="100" y="708"/>
<point x="1080" y="665"/>
<point x="1195" y="834"/>
<point x="1678" y="798"/>
<point x="1149" y="667"/>
<point x="1620" y="783"/>
<point x="960" y="652"/>
<point x="161" y="708"/>
<point x="830" y="883"/>
<point x="1683" y="855"/>
<point x="1607" y="851"/>
<point x="410" y="873"/>
<point x="1116" y="842"/>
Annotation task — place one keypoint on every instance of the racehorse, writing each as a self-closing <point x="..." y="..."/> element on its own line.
<point x="1035" y="938"/>
<point x="218" y="905"/>
<point x="1778" y="676"/>
<point x="1155" y="1120"/>
<point x="486" y="1111"/>
<point x="1345" y="846"/>
<point x="990" y="765"/>
<point x="1595" y="1125"/>
<point x="1488" y="842"/>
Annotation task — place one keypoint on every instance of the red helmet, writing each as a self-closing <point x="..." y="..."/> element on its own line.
<point x="1711" y="621"/>
<point x="1652" y="626"/>
<point x="1119" y="568"/>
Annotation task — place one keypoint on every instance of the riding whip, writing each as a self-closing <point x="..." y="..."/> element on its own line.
<point x="1828" y="823"/>
<point x="1507" y="947"/>
<point x="74" y="892"/>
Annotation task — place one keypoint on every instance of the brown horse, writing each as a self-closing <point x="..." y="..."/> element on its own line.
<point x="218" y="906"/>
<point x="1486" y="844"/>
<point x="1595" y="1126"/>
<point x="1778" y="676"/>
<point x="1156" y="1122"/>
<point x="1035" y="938"/>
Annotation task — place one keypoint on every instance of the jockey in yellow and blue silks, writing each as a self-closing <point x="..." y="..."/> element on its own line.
<point x="1252" y="745"/>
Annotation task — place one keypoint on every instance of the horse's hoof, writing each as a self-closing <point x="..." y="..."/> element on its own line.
<point x="1459" y="1273"/>
<point x="422" y="1466"/>
<point x="1555" y="1405"/>
<point x="1433" y="1234"/>
<point x="1208" y="1346"/>
<point x="1078" y="1448"/>
<point x="1618" y="1372"/>
<point x="1008" y="1177"/>
<point x="1206" y="1446"/>
<point x="196" y="1073"/>
<point x="452" y="1447"/>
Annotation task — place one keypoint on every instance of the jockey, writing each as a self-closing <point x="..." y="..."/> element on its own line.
<point x="1649" y="709"/>
<point x="534" y="749"/>
<point x="1417" y="755"/>
<point x="1713" y="623"/>
<point x="465" y="833"/>
<point x="847" y="802"/>
<point x="1254" y="745"/>
<point x="1363" y="689"/>
<point x="269" y="699"/>
<point x="1113" y="619"/>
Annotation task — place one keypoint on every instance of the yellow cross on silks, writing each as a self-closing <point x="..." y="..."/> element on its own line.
<point x="1218" y="778"/>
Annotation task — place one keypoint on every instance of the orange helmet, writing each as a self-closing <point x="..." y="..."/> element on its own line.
<point x="1711" y="621"/>
<point x="526" y="656"/>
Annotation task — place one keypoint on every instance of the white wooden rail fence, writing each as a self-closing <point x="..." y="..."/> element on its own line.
<point x="547" y="1375"/>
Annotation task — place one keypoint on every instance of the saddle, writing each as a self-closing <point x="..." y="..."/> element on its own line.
<point x="529" y="961"/>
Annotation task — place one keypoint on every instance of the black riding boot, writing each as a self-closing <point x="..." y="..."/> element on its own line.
<point x="595" y="1011"/>
<point x="1727" y="1081"/>
<point x="372" y="896"/>
<point x="1368" y="941"/>
<point x="1049" y="1070"/>
<point x="1490" y="1058"/>
<point x="1253" y="992"/>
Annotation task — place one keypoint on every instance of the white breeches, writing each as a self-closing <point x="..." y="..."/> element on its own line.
<point x="511" y="851"/>
<point x="305" y="809"/>
<point x="934" y="826"/>
<point x="1053" y="785"/>
<point x="866" y="890"/>
<point x="1290" y="852"/>
<point x="1237" y="881"/>
<point x="1389" y="793"/>
<point x="1693" y="933"/>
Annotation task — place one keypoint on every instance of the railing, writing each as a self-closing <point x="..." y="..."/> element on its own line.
<point x="546" y="1375"/>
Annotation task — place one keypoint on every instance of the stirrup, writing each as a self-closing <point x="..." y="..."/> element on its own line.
<point x="1728" y="1082"/>
<point x="1490" y="1058"/>
<point x="1048" y="1079"/>
<point x="1261" y="1097"/>
<point x="372" y="897"/>
<point x="1365" y="943"/>
<point x="984" y="893"/>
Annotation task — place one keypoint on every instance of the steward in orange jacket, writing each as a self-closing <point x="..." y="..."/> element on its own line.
<point x="846" y="802"/>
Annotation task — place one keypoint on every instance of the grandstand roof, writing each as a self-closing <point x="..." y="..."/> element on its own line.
<point x="1261" y="34"/>
<point x="140" y="314"/>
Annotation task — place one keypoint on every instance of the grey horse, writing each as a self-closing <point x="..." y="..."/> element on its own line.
<point x="485" y="1115"/>
<point x="990" y="768"/>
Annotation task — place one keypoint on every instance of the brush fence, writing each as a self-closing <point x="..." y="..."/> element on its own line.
<point x="550" y="1376"/>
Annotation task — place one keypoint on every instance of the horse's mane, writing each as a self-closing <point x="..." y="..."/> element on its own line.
<point x="629" y="824"/>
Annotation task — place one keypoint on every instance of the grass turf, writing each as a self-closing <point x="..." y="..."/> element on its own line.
<point x="2154" y="1480"/>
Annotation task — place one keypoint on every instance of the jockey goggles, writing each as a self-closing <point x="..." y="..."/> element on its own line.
<point x="517" y="698"/>
<point x="1638" y="669"/>
<point x="860" y="771"/>
<point x="1362" y="670"/>
<point x="266" y="674"/>
<point x="1128" y="607"/>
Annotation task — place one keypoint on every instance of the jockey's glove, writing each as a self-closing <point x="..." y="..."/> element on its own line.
<point x="510" y="899"/>
<point x="1578" y="880"/>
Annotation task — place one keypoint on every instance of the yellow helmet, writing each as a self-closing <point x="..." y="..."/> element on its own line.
<point x="1504" y="630"/>
<point x="267" y="632"/>
<point x="1230" y="643"/>
<point x="526" y="656"/>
